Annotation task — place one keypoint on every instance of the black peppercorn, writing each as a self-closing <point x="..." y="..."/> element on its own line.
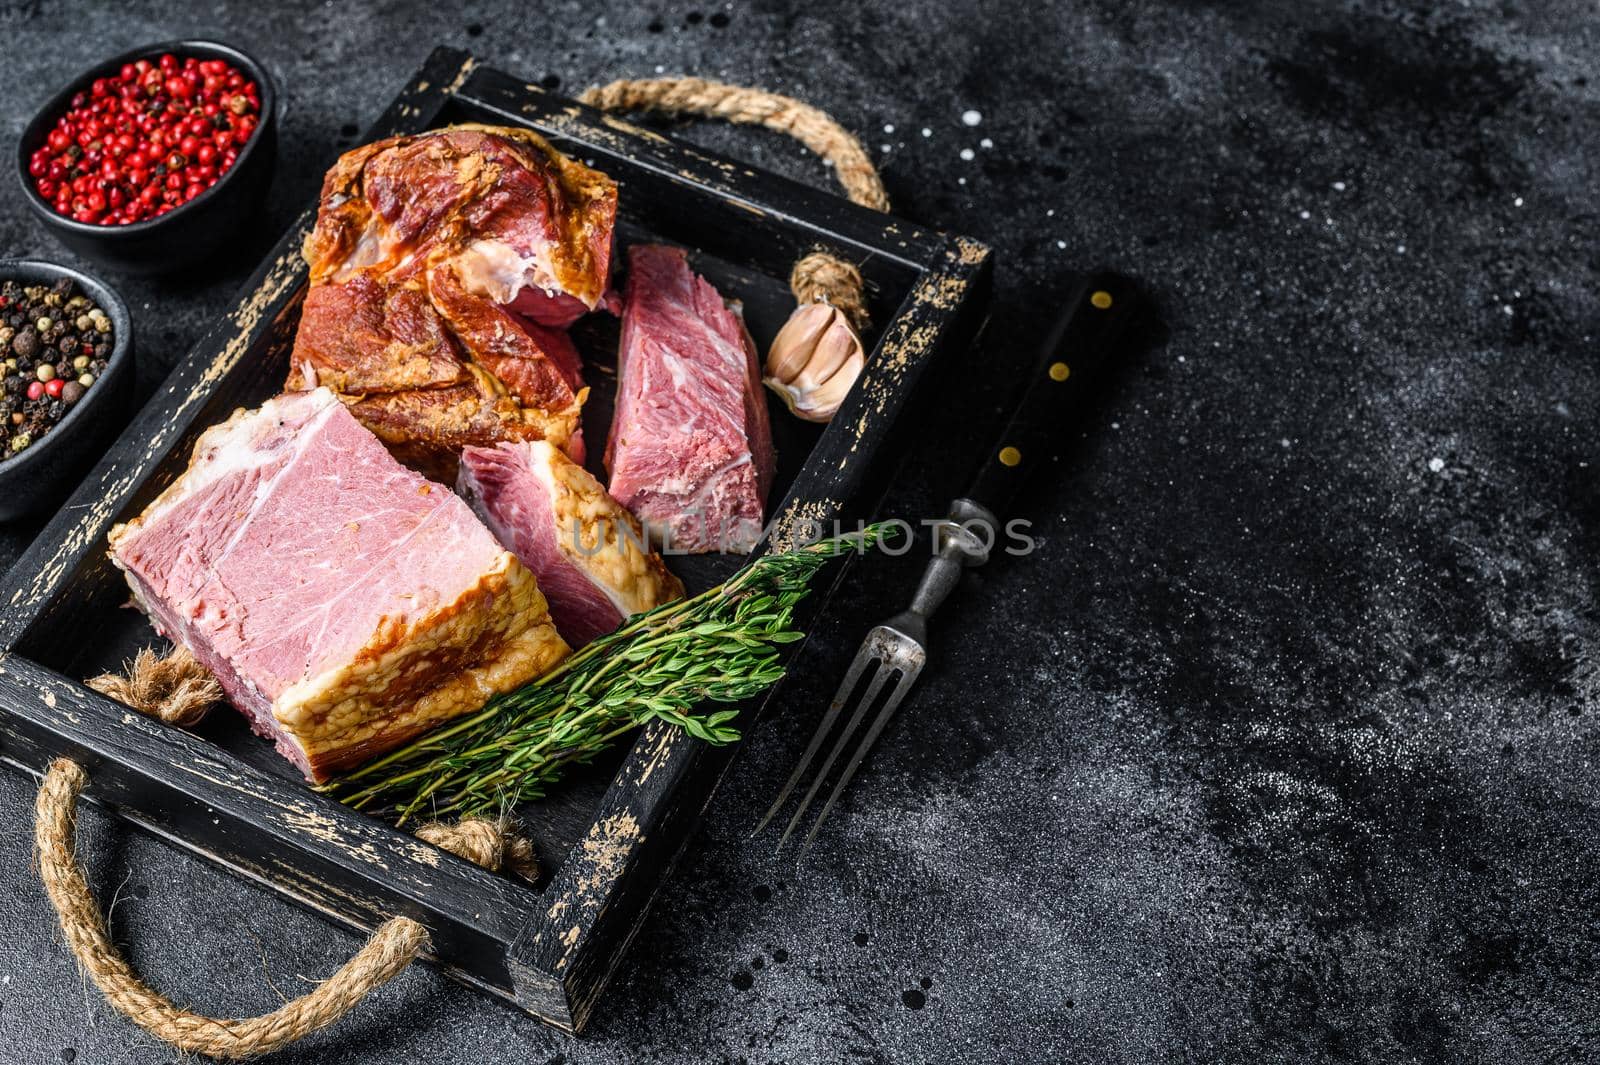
<point x="25" y="344"/>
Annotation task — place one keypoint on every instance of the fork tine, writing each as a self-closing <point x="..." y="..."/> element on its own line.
<point x="878" y="679"/>
<point x="847" y="686"/>
<point x="908" y="676"/>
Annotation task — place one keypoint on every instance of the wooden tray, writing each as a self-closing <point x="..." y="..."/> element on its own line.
<point x="608" y="838"/>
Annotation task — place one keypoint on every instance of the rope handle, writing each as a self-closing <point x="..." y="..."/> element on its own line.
<point x="819" y="276"/>
<point x="394" y="945"/>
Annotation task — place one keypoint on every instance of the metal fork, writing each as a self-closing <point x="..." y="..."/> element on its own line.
<point x="1083" y="337"/>
<point x="899" y="645"/>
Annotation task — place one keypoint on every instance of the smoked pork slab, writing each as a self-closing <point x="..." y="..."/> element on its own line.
<point x="444" y="268"/>
<point x="587" y="552"/>
<point x="344" y="603"/>
<point x="690" y="450"/>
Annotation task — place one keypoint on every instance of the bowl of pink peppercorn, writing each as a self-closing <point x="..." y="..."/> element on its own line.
<point x="152" y="160"/>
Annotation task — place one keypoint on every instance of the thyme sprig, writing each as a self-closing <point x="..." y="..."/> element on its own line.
<point x="674" y="664"/>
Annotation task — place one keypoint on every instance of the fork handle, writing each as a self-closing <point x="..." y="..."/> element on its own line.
<point x="961" y="542"/>
<point x="1082" y="339"/>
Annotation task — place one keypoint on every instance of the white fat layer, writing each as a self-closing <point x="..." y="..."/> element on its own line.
<point x="567" y="536"/>
<point x="496" y="270"/>
<point x="371" y="247"/>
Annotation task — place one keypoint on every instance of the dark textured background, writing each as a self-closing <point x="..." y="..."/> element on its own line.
<point x="1282" y="746"/>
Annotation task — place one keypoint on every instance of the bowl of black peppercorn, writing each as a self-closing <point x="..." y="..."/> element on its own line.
<point x="66" y="380"/>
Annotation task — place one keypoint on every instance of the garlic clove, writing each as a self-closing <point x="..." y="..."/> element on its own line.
<point x="833" y="349"/>
<point x="821" y="402"/>
<point x="791" y="348"/>
<point x="814" y="361"/>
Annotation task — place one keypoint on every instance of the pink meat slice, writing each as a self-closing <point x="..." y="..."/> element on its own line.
<point x="295" y="547"/>
<point x="587" y="552"/>
<point x="690" y="452"/>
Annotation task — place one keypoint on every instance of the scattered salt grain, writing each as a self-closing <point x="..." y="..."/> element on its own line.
<point x="986" y="143"/>
<point x="1284" y="442"/>
<point x="1305" y="215"/>
<point x="966" y="154"/>
<point x="1061" y="244"/>
<point x="660" y="69"/>
<point x="1338" y="186"/>
<point x="1400" y="249"/>
<point x="884" y="147"/>
<point x="888" y="127"/>
<point x="926" y="132"/>
<point x="1436" y="465"/>
<point x="1517" y="202"/>
<point x="970" y="118"/>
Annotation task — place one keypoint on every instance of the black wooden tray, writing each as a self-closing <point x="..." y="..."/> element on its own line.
<point x="608" y="838"/>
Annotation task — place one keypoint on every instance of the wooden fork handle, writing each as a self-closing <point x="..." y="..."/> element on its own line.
<point x="1082" y="340"/>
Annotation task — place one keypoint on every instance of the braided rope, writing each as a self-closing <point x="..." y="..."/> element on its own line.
<point x="819" y="275"/>
<point x="394" y="945"/>
<point x="173" y="687"/>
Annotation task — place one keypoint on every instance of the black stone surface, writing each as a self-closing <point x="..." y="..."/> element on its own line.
<point x="1280" y="748"/>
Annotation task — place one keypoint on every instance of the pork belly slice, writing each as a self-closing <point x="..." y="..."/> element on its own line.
<point x="589" y="554"/>
<point x="690" y="451"/>
<point x="344" y="603"/>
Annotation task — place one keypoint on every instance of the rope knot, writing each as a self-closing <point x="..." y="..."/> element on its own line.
<point x="489" y="843"/>
<point x="829" y="279"/>
<point x="175" y="688"/>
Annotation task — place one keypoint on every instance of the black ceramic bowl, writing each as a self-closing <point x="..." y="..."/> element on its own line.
<point x="184" y="235"/>
<point x="42" y="475"/>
